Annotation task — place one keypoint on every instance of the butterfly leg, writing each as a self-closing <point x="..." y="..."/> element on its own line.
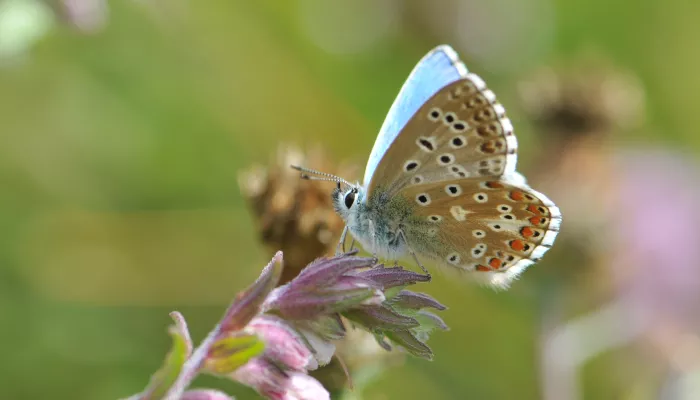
<point x="415" y="258"/>
<point x="352" y="244"/>
<point x="372" y="233"/>
<point x="340" y="249"/>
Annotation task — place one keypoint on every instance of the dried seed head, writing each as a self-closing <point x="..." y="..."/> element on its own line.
<point x="583" y="98"/>
<point x="292" y="214"/>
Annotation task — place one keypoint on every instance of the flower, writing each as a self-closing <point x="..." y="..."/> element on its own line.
<point x="283" y="344"/>
<point x="326" y="286"/>
<point x="275" y="383"/>
<point x="369" y="295"/>
<point x="269" y="339"/>
<point x="205" y="394"/>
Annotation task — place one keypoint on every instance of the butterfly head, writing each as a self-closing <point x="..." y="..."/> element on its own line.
<point x="346" y="197"/>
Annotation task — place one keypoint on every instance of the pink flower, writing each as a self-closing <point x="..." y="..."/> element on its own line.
<point x="205" y="394"/>
<point x="269" y="338"/>
<point x="274" y="383"/>
<point x="302" y="386"/>
<point x="656" y="223"/>
<point x="282" y="344"/>
<point x="357" y="289"/>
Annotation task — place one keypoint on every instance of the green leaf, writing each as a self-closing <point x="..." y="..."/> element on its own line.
<point x="231" y="352"/>
<point x="167" y="375"/>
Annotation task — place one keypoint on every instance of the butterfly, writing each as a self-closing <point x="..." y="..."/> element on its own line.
<point x="441" y="184"/>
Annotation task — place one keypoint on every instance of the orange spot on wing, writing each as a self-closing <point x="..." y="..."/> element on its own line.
<point x="517" y="245"/>
<point x="482" y="268"/>
<point x="538" y="220"/>
<point x="494" y="185"/>
<point x="487" y="130"/>
<point x="527" y="232"/>
<point x="517" y="195"/>
<point x="495" y="263"/>
<point x="488" y="147"/>
<point x="533" y="209"/>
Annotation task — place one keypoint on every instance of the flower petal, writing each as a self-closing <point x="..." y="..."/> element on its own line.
<point x="282" y="343"/>
<point x="408" y="299"/>
<point x="247" y="304"/>
<point x="205" y="394"/>
<point x="393" y="277"/>
<point x="411" y="344"/>
<point x="383" y="318"/>
<point x="273" y="383"/>
<point x="322" y="349"/>
<point x="303" y="387"/>
<point x="312" y="304"/>
<point x="327" y="270"/>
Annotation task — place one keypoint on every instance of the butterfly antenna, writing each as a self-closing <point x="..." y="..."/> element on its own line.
<point x="313" y="175"/>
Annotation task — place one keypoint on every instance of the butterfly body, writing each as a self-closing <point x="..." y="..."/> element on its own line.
<point x="441" y="182"/>
<point x="384" y="223"/>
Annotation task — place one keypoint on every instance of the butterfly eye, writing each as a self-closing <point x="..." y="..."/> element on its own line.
<point x="350" y="198"/>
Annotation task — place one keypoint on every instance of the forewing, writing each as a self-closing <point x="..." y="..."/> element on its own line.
<point x="460" y="132"/>
<point x="438" y="68"/>
<point x="492" y="227"/>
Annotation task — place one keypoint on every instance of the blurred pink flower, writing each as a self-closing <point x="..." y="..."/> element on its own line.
<point x="88" y="16"/>
<point x="655" y="265"/>
<point x="657" y="251"/>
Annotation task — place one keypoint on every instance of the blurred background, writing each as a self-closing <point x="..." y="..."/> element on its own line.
<point x="143" y="146"/>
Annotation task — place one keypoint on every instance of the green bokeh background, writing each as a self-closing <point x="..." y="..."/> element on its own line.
<point x="120" y="151"/>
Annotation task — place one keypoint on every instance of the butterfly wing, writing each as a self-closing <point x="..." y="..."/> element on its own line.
<point x="460" y="132"/>
<point x="455" y="160"/>
<point x="438" y="68"/>
<point x="491" y="226"/>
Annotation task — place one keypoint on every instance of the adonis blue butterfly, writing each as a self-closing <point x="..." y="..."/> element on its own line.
<point x="440" y="183"/>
